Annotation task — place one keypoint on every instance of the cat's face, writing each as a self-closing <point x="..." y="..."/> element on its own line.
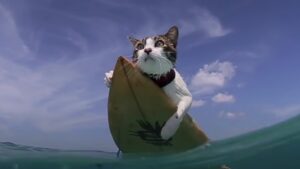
<point x="157" y="54"/>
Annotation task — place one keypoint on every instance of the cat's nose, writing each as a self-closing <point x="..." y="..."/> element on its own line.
<point x="148" y="50"/>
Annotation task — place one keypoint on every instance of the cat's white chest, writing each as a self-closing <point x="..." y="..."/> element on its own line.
<point x="177" y="89"/>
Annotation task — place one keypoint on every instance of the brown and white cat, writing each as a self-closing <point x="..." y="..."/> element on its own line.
<point x="156" y="57"/>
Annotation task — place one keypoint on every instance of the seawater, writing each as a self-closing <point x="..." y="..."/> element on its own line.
<point x="275" y="147"/>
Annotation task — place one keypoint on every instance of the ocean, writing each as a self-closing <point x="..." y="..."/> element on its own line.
<point x="275" y="147"/>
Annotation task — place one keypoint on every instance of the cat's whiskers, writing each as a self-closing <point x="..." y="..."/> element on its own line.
<point x="165" y="62"/>
<point x="160" y="67"/>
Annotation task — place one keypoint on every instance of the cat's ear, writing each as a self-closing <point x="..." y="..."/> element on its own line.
<point x="172" y="34"/>
<point x="133" y="40"/>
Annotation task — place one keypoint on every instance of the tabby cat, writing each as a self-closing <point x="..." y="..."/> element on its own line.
<point x="156" y="57"/>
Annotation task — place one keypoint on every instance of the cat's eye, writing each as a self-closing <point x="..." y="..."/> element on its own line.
<point x="139" y="46"/>
<point x="159" y="43"/>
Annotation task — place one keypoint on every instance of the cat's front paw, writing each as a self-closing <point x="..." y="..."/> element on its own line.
<point x="108" y="77"/>
<point x="170" y="127"/>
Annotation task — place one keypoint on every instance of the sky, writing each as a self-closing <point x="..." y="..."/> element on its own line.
<point x="239" y="58"/>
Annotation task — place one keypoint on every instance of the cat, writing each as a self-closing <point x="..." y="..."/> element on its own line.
<point x="156" y="57"/>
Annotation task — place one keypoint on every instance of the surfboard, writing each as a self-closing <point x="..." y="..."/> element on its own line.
<point x="137" y="111"/>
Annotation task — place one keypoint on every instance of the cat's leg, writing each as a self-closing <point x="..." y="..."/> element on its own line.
<point x="108" y="77"/>
<point x="174" y="121"/>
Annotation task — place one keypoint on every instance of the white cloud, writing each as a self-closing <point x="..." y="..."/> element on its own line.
<point x="212" y="77"/>
<point x="249" y="59"/>
<point x="231" y="115"/>
<point x="286" y="111"/>
<point x="46" y="95"/>
<point x="52" y="96"/>
<point x="223" y="98"/>
<point x="197" y="21"/>
<point x="198" y="103"/>
<point x="203" y="21"/>
<point x="71" y="123"/>
<point x="10" y="41"/>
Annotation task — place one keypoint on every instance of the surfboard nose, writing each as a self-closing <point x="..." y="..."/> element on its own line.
<point x="123" y="61"/>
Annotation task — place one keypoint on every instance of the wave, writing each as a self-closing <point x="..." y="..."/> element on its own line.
<point x="275" y="147"/>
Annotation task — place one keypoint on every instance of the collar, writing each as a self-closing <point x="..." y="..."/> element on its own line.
<point x="162" y="80"/>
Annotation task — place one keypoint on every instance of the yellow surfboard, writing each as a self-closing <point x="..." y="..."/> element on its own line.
<point x="138" y="109"/>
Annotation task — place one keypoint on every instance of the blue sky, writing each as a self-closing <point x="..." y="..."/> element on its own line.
<point x="240" y="59"/>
